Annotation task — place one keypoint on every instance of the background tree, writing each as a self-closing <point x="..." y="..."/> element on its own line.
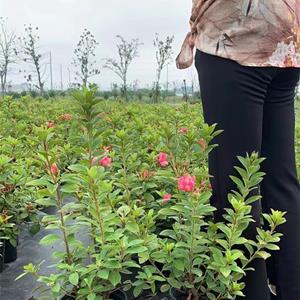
<point x="175" y="85"/>
<point x="163" y="58"/>
<point x="114" y="90"/>
<point x="8" y="52"/>
<point x="85" y="55"/>
<point x="127" y="52"/>
<point x="32" y="55"/>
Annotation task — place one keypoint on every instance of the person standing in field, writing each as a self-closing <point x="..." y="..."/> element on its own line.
<point x="248" y="64"/>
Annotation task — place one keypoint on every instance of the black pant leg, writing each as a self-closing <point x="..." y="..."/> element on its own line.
<point x="233" y="96"/>
<point x="280" y="188"/>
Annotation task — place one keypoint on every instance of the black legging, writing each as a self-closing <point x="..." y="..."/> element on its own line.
<point x="255" y="108"/>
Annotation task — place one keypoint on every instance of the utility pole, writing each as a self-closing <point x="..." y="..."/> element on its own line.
<point x="51" y="72"/>
<point x="185" y="91"/>
<point x="69" y="76"/>
<point x="167" y="79"/>
<point x="61" y="81"/>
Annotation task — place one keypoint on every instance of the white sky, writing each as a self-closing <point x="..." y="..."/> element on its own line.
<point x="62" y="21"/>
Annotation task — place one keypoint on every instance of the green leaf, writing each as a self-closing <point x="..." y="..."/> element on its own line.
<point x="91" y="296"/>
<point x="46" y="202"/>
<point x="77" y="168"/>
<point x="225" y="272"/>
<point x="74" y="278"/>
<point x="272" y="247"/>
<point x="132" y="227"/>
<point x="56" y="288"/>
<point x="38" y="182"/>
<point x="135" y="242"/>
<point x="138" y="249"/>
<point x="49" y="239"/>
<point x="112" y="264"/>
<point x="164" y="288"/>
<point x="114" y="277"/>
<point x="143" y="257"/>
<point x="137" y="290"/>
<point x="263" y="254"/>
<point x="174" y="283"/>
<point x="69" y="188"/>
<point x="179" y="264"/>
<point x="103" y="274"/>
<point x="225" y="229"/>
<point x="92" y="172"/>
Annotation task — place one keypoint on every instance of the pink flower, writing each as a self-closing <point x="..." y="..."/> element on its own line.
<point x="167" y="197"/>
<point x="54" y="169"/>
<point x="163" y="159"/>
<point x="186" y="183"/>
<point x="183" y="130"/>
<point x="202" y="143"/>
<point x="105" y="161"/>
<point x="50" y="124"/>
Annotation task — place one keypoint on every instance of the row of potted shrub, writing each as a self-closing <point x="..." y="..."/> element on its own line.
<point x="18" y="119"/>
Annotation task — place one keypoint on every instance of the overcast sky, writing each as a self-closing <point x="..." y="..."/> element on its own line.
<point x="61" y="22"/>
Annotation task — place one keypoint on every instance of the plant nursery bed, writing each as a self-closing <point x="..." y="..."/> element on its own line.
<point x="122" y="201"/>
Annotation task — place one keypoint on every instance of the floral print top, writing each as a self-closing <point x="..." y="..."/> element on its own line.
<point x="251" y="32"/>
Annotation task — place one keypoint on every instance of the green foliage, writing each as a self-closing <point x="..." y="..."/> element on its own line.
<point x="203" y="258"/>
<point x="112" y="174"/>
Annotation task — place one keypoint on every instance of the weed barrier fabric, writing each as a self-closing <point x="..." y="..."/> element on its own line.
<point x="29" y="251"/>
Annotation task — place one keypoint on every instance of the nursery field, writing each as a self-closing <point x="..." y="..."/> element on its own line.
<point x="110" y="200"/>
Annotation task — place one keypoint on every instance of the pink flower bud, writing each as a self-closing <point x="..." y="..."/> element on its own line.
<point x="162" y="159"/>
<point x="54" y="169"/>
<point x="105" y="161"/>
<point x="186" y="183"/>
<point x="202" y="143"/>
<point x="50" y="124"/>
<point x="183" y="130"/>
<point x="167" y="197"/>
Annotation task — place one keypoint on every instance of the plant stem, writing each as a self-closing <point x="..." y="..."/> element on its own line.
<point x="99" y="218"/>
<point x="59" y="203"/>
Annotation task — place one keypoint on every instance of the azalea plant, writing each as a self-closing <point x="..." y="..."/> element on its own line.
<point x="14" y="199"/>
<point x="7" y="228"/>
<point x="92" y="271"/>
<point x="201" y="258"/>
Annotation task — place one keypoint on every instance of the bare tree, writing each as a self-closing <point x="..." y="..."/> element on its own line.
<point x="127" y="52"/>
<point x="85" y="57"/>
<point x="163" y="58"/>
<point x="32" y="55"/>
<point x="8" y="52"/>
<point x="135" y="85"/>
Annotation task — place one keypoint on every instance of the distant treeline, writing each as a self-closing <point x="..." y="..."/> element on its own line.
<point x="140" y="94"/>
